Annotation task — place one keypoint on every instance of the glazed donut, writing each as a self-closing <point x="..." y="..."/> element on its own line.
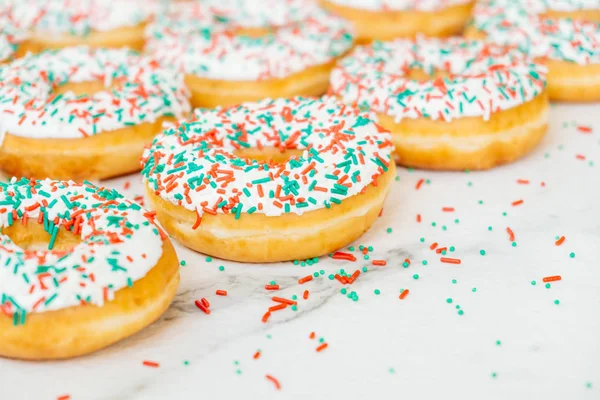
<point x="82" y="268"/>
<point x="229" y="60"/>
<point x="390" y="19"/>
<point x="563" y="34"/>
<point x="450" y="104"/>
<point x="55" y="24"/>
<point x="224" y="183"/>
<point x="80" y="113"/>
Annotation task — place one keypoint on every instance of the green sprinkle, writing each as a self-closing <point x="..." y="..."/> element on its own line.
<point x="548" y="286"/>
<point x="221" y="268"/>
<point x="572" y="255"/>
<point x="482" y="252"/>
<point x="377" y="291"/>
<point x="557" y="302"/>
<point x="533" y="283"/>
<point x="460" y="312"/>
<point x="182" y="263"/>
<point x="416" y="276"/>
<point x="498" y="343"/>
<point x="449" y="300"/>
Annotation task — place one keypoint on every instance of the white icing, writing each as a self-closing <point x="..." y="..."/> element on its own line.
<point x="119" y="246"/>
<point x="144" y="92"/>
<point x="76" y="17"/>
<point x="189" y="39"/>
<point x="400" y="5"/>
<point x="485" y="78"/>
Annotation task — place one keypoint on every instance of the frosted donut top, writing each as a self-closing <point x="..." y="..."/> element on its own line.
<point x="140" y="91"/>
<point x="518" y="24"/>
<point x="400" y="5"/>
<point x="76" y="17"/>
<point x="483" y="79"/>
<point x="194" y="165"/>
<point x="119" y="245"/>
<point x="189" y="38"/>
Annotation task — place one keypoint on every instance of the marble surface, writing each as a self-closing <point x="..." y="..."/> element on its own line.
<point x="381" y="346"/>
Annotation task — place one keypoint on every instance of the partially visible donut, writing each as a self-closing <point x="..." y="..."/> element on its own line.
<point x="82" y="268"/>
<point x="80" y="113"/>
<point x="270" y="181"/>
<point x="449" y="104"/>
<point x="563" y="34"/>
<point x="230" y="56"/>
<point x="391" y="19"/>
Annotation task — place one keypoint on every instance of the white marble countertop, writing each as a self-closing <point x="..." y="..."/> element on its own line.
<point x="381" y="346"/>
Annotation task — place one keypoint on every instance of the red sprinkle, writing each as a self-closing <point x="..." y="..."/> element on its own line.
<point x="404" y="294"/>
<point x="64" y="397"/>
<point x="205" y="302"/>
<point x="584" y="129"/>
<point x="379" y="263"/>
<point x="522" y="181"/>
<point x="511" y="234"/>
<point x="266" y="316"/>
<point x="256" y="355"/>
<point x="419" y="183"/>
<point x="448" y="209"/>
<point x="560" y="241"/>
<point x="552" y="278"/>
<point x="307" y="278"/>
<point x="221" y="292"/>
<point x="277" y="307"/>
<point x="271" y="287"/>
<point x="580" y="157"/>
<point x="151" y="364"/>
<point x="433" y="245"/>
<point x="338" y="255"/>
<point x="305" y="295"/>
<point x="275" y="382"/>
<point x="312" y="335"/>
<point x="201" y="306"/>
<point x="419" y="218"/>
<point x="284" y="301"/>
<point x="322" y="347"/>
<point x="517" y="203"/>
<point x="450" y="260"/>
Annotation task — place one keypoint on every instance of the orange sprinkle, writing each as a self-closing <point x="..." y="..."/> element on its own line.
<point x="448" y="209"/>
<point x="511" y="234"/>
<point x="322" y="347"/>
<point x="404" y="294"/>
<point x="450" y="260"/>
<point x="277" y="307"/>
<point x="433" y="245"/>
<point x="560" y="241"/>
<point x="305" y="295"/>
<point x="271" y="287"/>
<point x="312" y="335"/>
<point x="275" y="382"/>
<point x="266" y="316"/>
<point x="580" y="157"/>
<point x="307" y="278"/>
<point x="419" y="183"/>
<point x="256" y="355"/>
<point x="517" y="203"/>
<point x="522" y="181"/>
<point x="552" y="278"/>
<point x="418" y="217"/>
<point x="379" y="263"/>
<point x="584" y="129"/>
<point x="64" y="397"/>
<point x="284" y="301"/>
<point x="221" y="292"/>
<point x="151" y="364"/>
<point x="439" y="250"/>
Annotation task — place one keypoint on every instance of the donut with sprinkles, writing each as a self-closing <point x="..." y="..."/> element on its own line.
<point x="391" y="19"/>
<point x="82" y="268"/>
<point x="81" y="113"/>
<point x="562" y="34"/>
<point x="55" y="24"/>
<point x="450" y="104"/>
<point x="228" y="59"/>
<point x="270" y="181"/>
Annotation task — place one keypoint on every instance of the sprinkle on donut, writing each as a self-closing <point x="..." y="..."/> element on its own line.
<point x="119" y="245"/>
<point x="76" y="17"/>
<point x="518" y="23"/>
<point x="138" y="91"/>
<point x="194" y="164"/>
<point x="481" y="79"/>
<point x="192" y="41"/>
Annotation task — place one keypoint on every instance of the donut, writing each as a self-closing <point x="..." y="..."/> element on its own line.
<point x="82" y="268"/>
<point x="562" y="34"/>
<point x="229" y="60"/>
<point x="450" y="104"/>
<point x="391" y="19"/>
<point x="276" y="180"/>
<point x="81" y="113"/>
<point x="55" y="24"/>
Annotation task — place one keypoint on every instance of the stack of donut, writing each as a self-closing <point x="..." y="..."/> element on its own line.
<point x="289" y="154"/>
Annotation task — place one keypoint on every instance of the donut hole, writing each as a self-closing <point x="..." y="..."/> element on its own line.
<point x="33" y="237"/>
<point x="420" y="75"/>
<point x="269" y="155"/>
